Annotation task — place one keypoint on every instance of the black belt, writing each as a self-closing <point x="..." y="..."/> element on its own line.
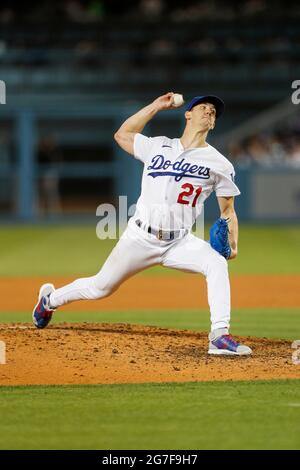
<point x="161" y="234"/>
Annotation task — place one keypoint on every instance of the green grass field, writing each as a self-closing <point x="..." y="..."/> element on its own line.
<point x="71" y="250"/>
<point x="230" y="415"/>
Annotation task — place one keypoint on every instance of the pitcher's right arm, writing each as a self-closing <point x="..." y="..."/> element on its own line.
<point x="136" y="123"/>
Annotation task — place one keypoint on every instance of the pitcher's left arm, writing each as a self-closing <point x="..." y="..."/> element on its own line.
<point x="227" y="211"/>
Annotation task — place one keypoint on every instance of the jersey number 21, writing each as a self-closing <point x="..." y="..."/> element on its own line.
<point x="189" y="189"/>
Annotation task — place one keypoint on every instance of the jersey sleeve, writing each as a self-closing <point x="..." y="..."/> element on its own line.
<point x="144" y="146"/>
<point x="224" y="183"/>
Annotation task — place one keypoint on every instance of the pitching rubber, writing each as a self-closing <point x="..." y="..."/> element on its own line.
<point x="225" y="352"/>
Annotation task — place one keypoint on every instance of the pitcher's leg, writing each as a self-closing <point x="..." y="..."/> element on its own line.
<point x="218" y="290"/>
<point x="195" y="255"/>
<point x="127" y="258"/>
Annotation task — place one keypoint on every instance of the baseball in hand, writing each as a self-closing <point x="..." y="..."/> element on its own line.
<point x="177" y="100"/>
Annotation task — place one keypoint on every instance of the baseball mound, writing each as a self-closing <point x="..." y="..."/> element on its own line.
<point x="120" y="353"/>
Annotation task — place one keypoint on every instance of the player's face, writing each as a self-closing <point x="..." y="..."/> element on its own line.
<point x="203" y="115"/>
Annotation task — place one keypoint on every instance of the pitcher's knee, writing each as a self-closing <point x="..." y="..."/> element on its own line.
<point x="99" y="290"/>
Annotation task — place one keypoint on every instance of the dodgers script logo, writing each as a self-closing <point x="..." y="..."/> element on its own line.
<point x="178" y="169"/>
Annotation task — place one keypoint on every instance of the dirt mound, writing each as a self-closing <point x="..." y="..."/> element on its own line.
<point x="121" y="353"/>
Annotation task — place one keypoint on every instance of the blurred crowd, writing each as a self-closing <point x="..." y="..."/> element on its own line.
<point x="138" y="46"/>
<point x="88" y="11"/>
<point x="41" y="50"/>
<point x="280" y="147"/>
<point x="75" y="37"/>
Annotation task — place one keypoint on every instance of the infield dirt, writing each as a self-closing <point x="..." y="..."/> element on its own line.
<point x="119" y="353"/>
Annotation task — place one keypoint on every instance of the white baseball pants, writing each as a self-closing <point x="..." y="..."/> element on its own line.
<point x="138" y="250"/>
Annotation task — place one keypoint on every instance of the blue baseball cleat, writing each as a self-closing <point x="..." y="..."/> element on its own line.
<point x="224" y="344"/>
<point x="42" y="312"/>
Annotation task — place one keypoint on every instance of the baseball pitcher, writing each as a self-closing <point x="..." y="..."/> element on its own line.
<point x="179" y="175"/>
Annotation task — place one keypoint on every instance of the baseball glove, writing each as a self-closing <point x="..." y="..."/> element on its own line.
<point x="219" y="237"/>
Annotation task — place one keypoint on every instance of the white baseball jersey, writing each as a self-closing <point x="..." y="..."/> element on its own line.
<point x="176" y="182"/>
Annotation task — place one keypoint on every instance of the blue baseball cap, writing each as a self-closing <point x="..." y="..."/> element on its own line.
<point x="215" y="100"/>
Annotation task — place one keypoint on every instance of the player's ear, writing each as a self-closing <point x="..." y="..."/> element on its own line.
<point x="187" y="115"/>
